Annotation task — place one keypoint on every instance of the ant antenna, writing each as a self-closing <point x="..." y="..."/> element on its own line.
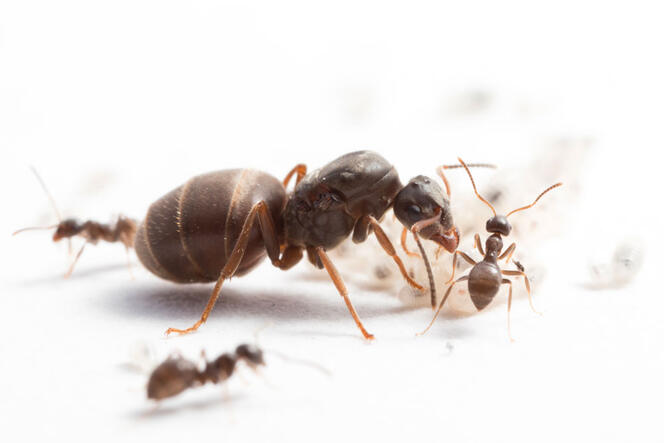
<point x="48" y="194"/>
<point x="440" y="169"/>
<point x="34" y="228"/>
<point x="471" y="165"/>
<point x="475" y="188"/>
<point x="538" y="197"/>
<point x="288" y="358"/>
<point x="53" y="205"/>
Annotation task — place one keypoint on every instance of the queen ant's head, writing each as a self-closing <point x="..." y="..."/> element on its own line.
<point x="423" y="200"/>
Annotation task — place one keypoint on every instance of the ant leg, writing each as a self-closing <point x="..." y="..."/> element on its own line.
<point x="299" y="169"/>
<point x="341" y="287"/>
<point x="454" y="261"/>
<point x="527" y="282"/>
<point x="442" y="302"/>
<point x="509" y="308"/>
<point x="409" y="253"/>
<point x="78" y="255"/>
<point x="478" y="244"/>
<point x="271" y="244"/>
<point x="131" y="273"/>
<point x="415" y="229"/>
<point x="508" y="253"/>
<point x="389" y="248"/>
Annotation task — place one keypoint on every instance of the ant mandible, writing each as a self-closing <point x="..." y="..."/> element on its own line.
<point x="486" y="277"/>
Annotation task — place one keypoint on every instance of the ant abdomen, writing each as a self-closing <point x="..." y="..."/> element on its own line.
<point x="172" y="377"/>
<point x="483" y="283"/>
<point x="188" y="234"/>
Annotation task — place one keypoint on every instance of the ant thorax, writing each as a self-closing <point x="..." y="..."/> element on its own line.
<point x="494" y="244"/>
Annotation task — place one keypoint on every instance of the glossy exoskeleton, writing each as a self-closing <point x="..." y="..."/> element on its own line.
<point x="178" y="374"/>
<point x="486" y="277"/>
<point x="223" y="223"/>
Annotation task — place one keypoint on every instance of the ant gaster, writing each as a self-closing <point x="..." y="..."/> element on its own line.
<point x="177" y="374"/>
<point x="123" y="230"/>
<point x="486" y="277"/>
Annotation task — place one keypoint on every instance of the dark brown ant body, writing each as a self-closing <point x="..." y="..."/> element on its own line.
<point x="123" y="230"/>
<point x="486" y="277"/>
<point x="178" y="374"/>
<point x="230" y="220"/>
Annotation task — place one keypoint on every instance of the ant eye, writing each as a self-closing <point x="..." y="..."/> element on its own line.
<point x="414" y="210"/>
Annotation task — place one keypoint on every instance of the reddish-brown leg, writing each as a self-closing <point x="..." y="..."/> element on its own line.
<point x="509" y="308"/>
<point x="527" y="282"/>
<point x="78" y="255"/>
<point x="442" y="303"/>
<point x="299" y="169"/>
<point x="387" y="246"/>
<point x="131" y="273"/>
<point x="454" y="261"/>
<point x="478" y="244"/>
<point x="415" y="229"/>
<point x="404" y="234"/>
<point x="508" y="253"/>
<point x="341" y="287"/>
<point x="271" y="244"/>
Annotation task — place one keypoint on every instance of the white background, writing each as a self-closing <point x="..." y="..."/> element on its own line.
<point x="116" y="103"/>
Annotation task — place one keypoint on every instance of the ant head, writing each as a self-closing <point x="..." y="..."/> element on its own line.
<point x="251" y="354"/>
<point x="423" y="200"/>
<point x="498" y="224"/>
<point x="66" y="229"/>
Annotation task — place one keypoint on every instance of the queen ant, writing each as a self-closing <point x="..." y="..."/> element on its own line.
<point x="486" y="277"/>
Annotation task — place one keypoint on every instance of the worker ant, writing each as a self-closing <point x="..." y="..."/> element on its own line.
<point x="123" y="230"/>
<point x="178" y="374"/>
<point x="486" y="277"/>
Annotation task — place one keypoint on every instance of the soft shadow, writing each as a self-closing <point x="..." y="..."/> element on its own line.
<point x="172" y="301"/>
<point x="163" y="409"/>
<point x="601" y="287"/>
<point x="448" y="332"/>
